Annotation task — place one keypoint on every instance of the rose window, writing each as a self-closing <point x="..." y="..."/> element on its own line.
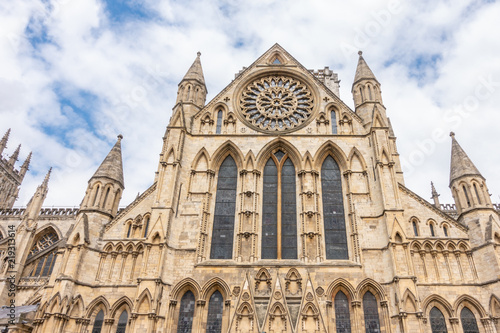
<point x="276" y="103"/>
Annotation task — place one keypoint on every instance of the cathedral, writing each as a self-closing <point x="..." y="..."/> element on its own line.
<point x="275" y="208"/>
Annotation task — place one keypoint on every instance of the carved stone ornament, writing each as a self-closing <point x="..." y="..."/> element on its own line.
<point x="276" y="103"/>
<point x="320" y="291"/>
<point x="277" y="295"/>
<point x="236" y="291"/>
<point x="309" y="297"/>
<point x="246" y="296"/>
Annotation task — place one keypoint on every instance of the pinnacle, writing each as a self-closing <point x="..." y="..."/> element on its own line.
<point x="433" y="190"/>
<point x="195" y="72"/>
<point x="363" y="71"/>
<point x="13" y="158"/>
<point x="27" y="161"/>
<point x="47" y="177"/>
<point x="112" y="166"/>
<point x="460" y="165"/>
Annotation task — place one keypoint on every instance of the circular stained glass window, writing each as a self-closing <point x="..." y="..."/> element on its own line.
<point x="276" y="103"/>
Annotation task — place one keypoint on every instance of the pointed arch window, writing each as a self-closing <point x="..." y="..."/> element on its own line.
<point x="477" y="194"/>
<point x="95" y="195"/>
<point x="431" y="226"/>
<point x="129" y="229"/>
<point x="438" y="324"/>
<point x="466" y="196"/>
<point x="98" y="322"/>
<point x="219" y="122"/>
<point x="415" y="229"/>
<point x="370" y="309"/>
<point x="333" y="210"/>
<point x="146" y="227"/>
<point x="225" y="208"/>
<point x="44" y="242"/>
<point x="342" y="315"/>
<point x="361" y="94"/>
<point x="215" y="309"/>
<point x="333" y="116"/>
<point x="279" y="216"/>
<point x="370" y="93"/>
<point x="122" y="322"/>
<point x="106" y="198"/>
<point x="469" y="323"/>
<point x="445" y="230"/>
<point x="186" y="313"/>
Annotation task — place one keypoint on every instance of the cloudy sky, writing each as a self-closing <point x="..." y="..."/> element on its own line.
<point x="75" y="73"/>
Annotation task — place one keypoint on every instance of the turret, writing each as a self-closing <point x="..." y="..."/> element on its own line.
<point x="106" y="186"/>
<point x="467" y="185"/>
<point x="435" y="196"/>
<point x="3" y="142"/>
<point x="192" y="89"/>
<point x="366" y="92"/>
<point x="25" y="166"/>
<point x="13" y="158"/>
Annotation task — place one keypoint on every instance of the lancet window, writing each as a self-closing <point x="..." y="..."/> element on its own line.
<point x="469" y="323"/>
<point x="279" y="216"/>
<point x="186" y="313"/>
<point x="215" y="309"/>
<point x="122" y="322"/>
<point x="219" y="122"/>
<point x="333" y="116"/>
<point x="342" y="315"/>
<point x="333" y="210"/>
<point x="438" y="324"/>
<point x="98" y="322"/>
<point x="370" y="309"/>
<point x="225" y="208"/>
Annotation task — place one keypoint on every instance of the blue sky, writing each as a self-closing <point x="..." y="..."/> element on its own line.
<point x="77" y="73"/>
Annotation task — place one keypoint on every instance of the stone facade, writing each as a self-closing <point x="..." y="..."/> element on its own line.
<point x="275" y="208"/>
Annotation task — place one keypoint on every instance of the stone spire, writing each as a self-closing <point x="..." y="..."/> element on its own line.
<point x="14" y="156"/>
<point x="363" y="71"/>
<point x="195" y="72"/>
<point x="461" y="165"/>
<point x="112" y="166"/>
<point x="3" y="142"/>
<point x="435" y="196"/>
<point x="25" y="166"/>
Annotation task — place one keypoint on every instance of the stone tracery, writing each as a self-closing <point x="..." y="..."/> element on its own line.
<point x="276" y="103"/>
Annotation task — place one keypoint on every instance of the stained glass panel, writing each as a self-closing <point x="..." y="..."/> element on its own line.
<point x="269" y="211"/>
<point x="370" y="309"/>
<point x="288" y="212"/>
<point x="219" y="122"/>
<point x="225" y="208"/>
<point x="98" y="322"/>
<point x="333" y="210"/>
<point x="215" y="308"/>
<point x="438" y="324"/>
<point x="186" y="313"/>
<point x="342" y="315"/>
<point x="469" y="323"/>
<point x="122" y="322"/>
<point x="334" y="122"/>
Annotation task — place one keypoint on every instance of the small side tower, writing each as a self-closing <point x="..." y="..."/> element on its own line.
<point x="471" y="196"/>
<point x="467" y="185"/>
<point x="105" y="188"/>
<point x="366" y="93"/>
<point x="192" y="91"/>
<point x="10" y="178"/>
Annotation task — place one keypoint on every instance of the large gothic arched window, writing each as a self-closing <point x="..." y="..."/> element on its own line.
<point x="186" y="313"/>
<point x="469" y="323"/>
<point x="438" y="324"/>
<point x="370" y="309"/>
<point x="98" y="322"/>
<point x="215" y="308"/>
<point x="333" y="210"/>
<point x="279" y="215"/>
<point x="122" y="322"/>
<point x="342" y="315"/>
<point x="225" y="208"/>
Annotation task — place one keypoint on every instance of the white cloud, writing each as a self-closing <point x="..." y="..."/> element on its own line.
<point x="130" y="69"/>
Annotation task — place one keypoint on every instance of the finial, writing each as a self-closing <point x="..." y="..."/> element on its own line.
<point x="360" y="53"/>
<point x="452" y="134"/>
<point x="198" y="53"/>
<point x="120" y="137"/>
<point x="47" y="176"/>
